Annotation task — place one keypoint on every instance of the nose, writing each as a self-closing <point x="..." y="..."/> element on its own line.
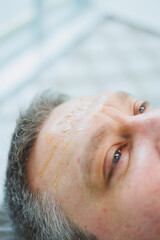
<point x="146" y="125"/>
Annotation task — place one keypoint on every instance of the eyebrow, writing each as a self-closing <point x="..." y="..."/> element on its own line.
<point x="91" y="148"/>
<point x="90" y="151"/>
<point x="123" y="95"/>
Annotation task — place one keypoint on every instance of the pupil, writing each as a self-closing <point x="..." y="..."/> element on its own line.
<point x="142" y="108"/>
<point x="117" y="157"/>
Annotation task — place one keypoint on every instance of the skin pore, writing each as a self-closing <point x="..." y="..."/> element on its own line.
<point x="101" y="156"/>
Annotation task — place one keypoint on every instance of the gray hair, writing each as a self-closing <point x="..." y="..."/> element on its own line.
<point x="35" y="215"/>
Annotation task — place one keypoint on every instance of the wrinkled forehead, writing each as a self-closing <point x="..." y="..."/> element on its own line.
<point x="90" y="101"/>
<point x="74" y="117"/>
<point x="73" y="112"/>
<point x="69" y="122"/>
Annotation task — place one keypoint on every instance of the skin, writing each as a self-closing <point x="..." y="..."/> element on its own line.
<point x="111" y="201"/>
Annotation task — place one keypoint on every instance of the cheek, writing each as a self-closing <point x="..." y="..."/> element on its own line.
<point x="98" y="221"/>
<point x="143" y="189"/>
<point x="141" y="185"/>
<point x="138" y="205"/>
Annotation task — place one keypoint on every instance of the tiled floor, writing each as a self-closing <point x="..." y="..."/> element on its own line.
<point x="114" y="57"/>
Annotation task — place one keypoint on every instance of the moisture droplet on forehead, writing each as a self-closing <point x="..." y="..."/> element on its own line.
<point x="55" y="183"/>
<point x="49" y="140"/>
<point x="66" y="129"/>
<point x="68" y="116"/>
<point x="79" y="130"/>
<point x="60" y="123"/>
<point x="47" y="135"/>
<point x="54" y="148"/>
<point x="65" y="146"/>
<point x="103" y="110"/>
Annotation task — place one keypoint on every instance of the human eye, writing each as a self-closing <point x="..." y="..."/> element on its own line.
<point x="140" y="107"/>
<point x="143" y="107"/>
<point x="116" y="158"/>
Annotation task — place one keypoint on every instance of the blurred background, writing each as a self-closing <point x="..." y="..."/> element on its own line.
<point x="78" y="47"/>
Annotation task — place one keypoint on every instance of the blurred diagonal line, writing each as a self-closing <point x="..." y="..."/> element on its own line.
<point x="66" y="48"/>
<point x="73" y="42"/>
<point x="137" y="26"/>
<point x="33" y="23"/>
<point x="12" y="29"/>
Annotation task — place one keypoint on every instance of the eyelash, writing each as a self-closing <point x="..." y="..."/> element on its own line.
<point x="119" y="150"/>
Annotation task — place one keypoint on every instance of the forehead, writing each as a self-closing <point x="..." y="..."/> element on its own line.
<point x="72" y="116"/>
<point x="63" y="129"/>
<point x="83" y="103"/>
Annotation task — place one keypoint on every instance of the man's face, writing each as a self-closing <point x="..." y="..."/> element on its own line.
<point x="101" y="157"/>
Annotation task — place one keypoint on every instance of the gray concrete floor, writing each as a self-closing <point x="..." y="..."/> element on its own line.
<point x="114" y="57"/>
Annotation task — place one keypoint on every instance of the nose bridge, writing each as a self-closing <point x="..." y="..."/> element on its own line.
<point x="146" y="124"/>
